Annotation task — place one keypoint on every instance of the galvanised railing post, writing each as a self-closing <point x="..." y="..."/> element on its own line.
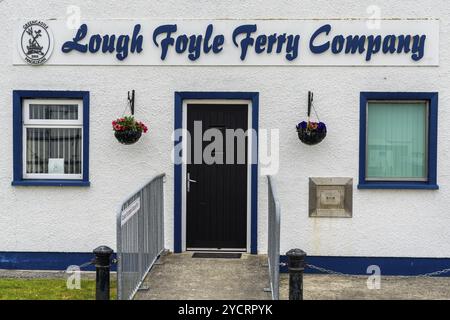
<point x="296" y="266"/>
<point x="273" y="242"/>
<point x="140" y="238"/>
<point x="102" y="272"/>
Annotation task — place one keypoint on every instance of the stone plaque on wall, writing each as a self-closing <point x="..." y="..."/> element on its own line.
<point x="330" y="197"/>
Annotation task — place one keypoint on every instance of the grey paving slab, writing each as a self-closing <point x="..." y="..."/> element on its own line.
<point x="179" y="276"/>
<point x="328" y="287"/>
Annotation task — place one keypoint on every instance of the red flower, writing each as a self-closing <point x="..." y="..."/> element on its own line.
<point x="128" y="123"/>
<point x="143" y="127"/>
<point x="313" y="125"/>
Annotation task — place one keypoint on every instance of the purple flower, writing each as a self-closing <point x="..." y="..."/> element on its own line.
<point x="322" y="126"/>
<point x="302" y="125"/>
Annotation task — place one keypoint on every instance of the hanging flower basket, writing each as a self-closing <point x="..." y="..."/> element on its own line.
<point x="127" y="130"/>
<point x="128" y="137"/>
<point x="311" y="133"/>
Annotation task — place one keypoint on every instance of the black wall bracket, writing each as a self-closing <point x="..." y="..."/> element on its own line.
<point x="310" y="102"/>
<point x="131" y="101"/>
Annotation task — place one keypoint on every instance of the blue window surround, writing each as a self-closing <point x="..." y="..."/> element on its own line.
<point x="432" y="98"/>
<point x="179" y="97"/>
<point x="18" y="97"/>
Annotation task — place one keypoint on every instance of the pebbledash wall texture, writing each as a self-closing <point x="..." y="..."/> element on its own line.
<point x="385" y="223"/>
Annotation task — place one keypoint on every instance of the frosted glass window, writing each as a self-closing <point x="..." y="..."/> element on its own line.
<point x="397" y="141"/>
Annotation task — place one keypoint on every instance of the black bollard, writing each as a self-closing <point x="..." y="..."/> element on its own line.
<point x="296" y="266"/>
<point x="102" y="270"/>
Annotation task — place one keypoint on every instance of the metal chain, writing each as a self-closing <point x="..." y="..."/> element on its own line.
<point x="425" y="275"/>
<point x="315" y="112"/>
<point x="113" y="261"/>
<point x="432" y="274"/>
<point x="87" y="263"/>
<point x="336" y="273"/>
<point x="127" y="107"/>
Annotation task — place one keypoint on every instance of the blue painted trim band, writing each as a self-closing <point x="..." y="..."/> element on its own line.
<point x="254" y="178"/>
<point x="350" y="265"/>
<point x="52" y="183"/>
<point x="410" y="186"/>
<point x="86" y="136"/>
<point x="17" y="136"/>
<point x="432" y="98"/>
<point x="390" y="266"/>
<point x="18" y="97"/>
<point x="46" y="260"/>
<point x="178" y="124"/>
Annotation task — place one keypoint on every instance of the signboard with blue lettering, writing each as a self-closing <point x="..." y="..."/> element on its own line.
<point x="352" y="42"/>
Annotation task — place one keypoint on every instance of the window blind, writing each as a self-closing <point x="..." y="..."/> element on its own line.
<point x="63" y="144"/>
<point x="53" y="112"/>
<point x="397" y="140"/>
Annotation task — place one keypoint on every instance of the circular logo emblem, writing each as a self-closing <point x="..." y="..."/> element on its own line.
<point x="36" y="42"/>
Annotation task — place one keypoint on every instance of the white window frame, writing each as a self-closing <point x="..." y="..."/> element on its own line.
<point x="55" y="123"/>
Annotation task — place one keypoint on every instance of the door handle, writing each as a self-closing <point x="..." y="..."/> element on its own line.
<point x="188" y="182"/>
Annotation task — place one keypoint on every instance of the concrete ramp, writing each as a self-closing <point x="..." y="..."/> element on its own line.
<point x="179" y="277"/>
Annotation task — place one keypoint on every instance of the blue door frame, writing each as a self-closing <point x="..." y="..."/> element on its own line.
<point x="179" y="98"/>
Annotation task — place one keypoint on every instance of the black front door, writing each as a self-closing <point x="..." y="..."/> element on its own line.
<point x="216" y="193"/>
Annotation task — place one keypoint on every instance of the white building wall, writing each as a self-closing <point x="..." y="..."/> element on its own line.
<point x="385" y="222"/>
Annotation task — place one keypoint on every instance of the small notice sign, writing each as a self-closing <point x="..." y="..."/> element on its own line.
<point x="129" y="211"/>
<point x="55" y="166"/>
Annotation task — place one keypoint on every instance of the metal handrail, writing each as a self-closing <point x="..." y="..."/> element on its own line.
<point x="273" y="251"/>
<point x="140" y="236"/>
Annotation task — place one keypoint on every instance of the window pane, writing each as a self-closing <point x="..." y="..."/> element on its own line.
<point x="53" y="151"/>
<point x="396" y="141"/>
<point x="53" y="112"/>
